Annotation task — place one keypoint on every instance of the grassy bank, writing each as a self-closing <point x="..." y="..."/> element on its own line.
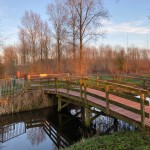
<point x="130" y="140"/>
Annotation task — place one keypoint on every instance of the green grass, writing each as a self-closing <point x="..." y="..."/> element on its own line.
<point x="135" y="81"/>
<point x="128" y="80"/>
<point x="104" y="77"/>
<point x="129" y="140"/>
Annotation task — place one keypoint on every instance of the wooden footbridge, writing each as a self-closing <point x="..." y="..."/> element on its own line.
<point x="114" y="99"/>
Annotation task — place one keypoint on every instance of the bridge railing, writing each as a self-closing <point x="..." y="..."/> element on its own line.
<point x="74" y="82"/>
<point x="125" y="79"/>
<point x="10" y="86"/>
<point x="122" y="91"/>
<point x="81" y="85"/>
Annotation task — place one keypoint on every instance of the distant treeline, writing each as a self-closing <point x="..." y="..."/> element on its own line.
<point x="105" y="59"/>
<point x="63" y="44"/>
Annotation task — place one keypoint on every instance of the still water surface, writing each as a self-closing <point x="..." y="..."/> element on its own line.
<point x="46" y="129"/>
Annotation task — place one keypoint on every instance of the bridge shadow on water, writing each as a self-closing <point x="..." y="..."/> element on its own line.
<point x="58" y="129"/>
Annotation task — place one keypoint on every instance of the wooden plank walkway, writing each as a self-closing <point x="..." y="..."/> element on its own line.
<point x="115" y="111"/>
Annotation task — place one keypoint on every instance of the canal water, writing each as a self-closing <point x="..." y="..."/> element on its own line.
<point x="46" y="129"/>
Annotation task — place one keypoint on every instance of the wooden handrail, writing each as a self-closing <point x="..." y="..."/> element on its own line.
<point x="98" y="81"/>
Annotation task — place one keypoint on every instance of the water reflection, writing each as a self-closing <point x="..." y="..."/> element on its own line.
<point x="104" y="124"/>
<point x="38" y="127"/>
<point x="11" y="131"/>
<point x="48" y="129"/>
<point x="107" y="125"/>
<point x="36" y="135"/>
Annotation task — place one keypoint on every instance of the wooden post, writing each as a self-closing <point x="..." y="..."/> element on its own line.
<point x="119" y="78"/>
<point x="82" y="114"/>
<point x="144" y="83"/>
<point x="28" y="77"/>
<point x="85" y="93"/>
<point x="87" y="116"/>
<point x="59" y="104"/>
<point x="114" y="78"/>
<point x="96" y="80"/>
<point x="11" y="85"/>
<point x="56" y="85"/>
<point x="107" y="98"/>
<point x="142" y="98"/>
<point x="67" y="82"/>
<point x="81" y="94"/>
<point x="115" y="124"/>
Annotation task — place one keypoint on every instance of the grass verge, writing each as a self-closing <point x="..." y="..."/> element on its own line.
<point x="129" y="140"/>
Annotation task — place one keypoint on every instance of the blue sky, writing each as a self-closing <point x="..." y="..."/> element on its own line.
<point x="129" y="18"/>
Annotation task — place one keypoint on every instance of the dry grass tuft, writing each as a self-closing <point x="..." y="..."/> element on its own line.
<point x="23" y="101"/>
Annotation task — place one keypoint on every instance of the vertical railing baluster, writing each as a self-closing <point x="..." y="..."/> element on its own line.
<point x="81" y="94"/>
<point x="67" y="84"/>
<point x="142" y="98"/>
<point x="97" y="78"/>
<point x="107" y="98"/>
<point x="85" y="92"/>
<point x="56" y="85"/>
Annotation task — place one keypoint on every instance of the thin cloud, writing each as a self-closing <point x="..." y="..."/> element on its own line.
<point x="136" y="27"/>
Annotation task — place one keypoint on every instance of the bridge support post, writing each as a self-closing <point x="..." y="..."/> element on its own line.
<point x="115" y="124"/>
<point x="59" y="104"/>
<point x="87" y="117"/>
<point x="82" y="114"/>
<point x="52" y="100"/>
<point x="56" y="85"/>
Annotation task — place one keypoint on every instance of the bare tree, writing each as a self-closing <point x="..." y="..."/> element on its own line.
<point x="90" y="14"/>
<point x="72" y="33"/>
<point x="35" y="41"/>
<point x="23" y="50"/>
<point x="120" y="59"/>
<point x="58" y="15"/>
<point x="44" y="44"/>
<point x="10" y="60"/>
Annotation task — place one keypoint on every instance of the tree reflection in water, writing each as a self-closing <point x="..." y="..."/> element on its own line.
<point x="36" y="135"/>
<point x="47" y="127"/>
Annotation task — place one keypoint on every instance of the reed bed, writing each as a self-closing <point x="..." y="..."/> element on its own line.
<point x="23" y="101"/>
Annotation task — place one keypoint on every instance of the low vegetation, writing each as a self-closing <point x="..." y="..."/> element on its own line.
<point x="23" y="101"/>
<point x="129" y="140"/>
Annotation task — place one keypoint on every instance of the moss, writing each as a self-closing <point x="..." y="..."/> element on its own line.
<point x="131" y="140"/>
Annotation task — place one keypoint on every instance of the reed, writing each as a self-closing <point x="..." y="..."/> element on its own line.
<point x="23" y="101"/>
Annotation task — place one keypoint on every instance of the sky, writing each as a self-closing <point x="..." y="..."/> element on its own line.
<point x="128" y="24"/>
